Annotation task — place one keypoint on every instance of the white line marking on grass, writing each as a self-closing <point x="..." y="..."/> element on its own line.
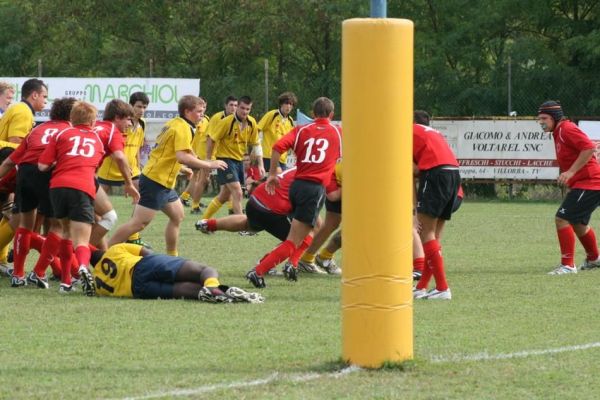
<point x="243" y="384"/>
<point x="519" y="354"/>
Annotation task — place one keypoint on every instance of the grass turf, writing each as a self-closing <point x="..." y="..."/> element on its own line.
<point x="497" y="257"/>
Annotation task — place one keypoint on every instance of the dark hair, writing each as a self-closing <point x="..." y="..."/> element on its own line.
<point x="96" y="256"/>
<point x="30" y="86"/>
<point x="230" y="98"/>
<point x="117" y="108"/>
<point x="245" y="100"/>
<point x="322" y="107"/>
<point x="139" y="96"/>
<point x="61" y="108"/>
<point x="421" y="117"/>
<point x="287" y="98"/>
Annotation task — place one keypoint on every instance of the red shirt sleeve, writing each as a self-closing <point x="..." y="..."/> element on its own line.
<point x="16" y="155"/>
<point x="49" y="154"/>
<point x="578" y="139"/>
<point x="286" y="142"/>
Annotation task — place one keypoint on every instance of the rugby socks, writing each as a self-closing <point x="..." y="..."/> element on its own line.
<point x="173" y="253"/>
<point x="65" y="252"/>
<point x="48" y="253"/>
<point x="308" y="257"/>
<point x="277" y="255"/>
<point x="6" y="236"/>
<point x="37" y="241"/>
<point x="211" y="225"/>
<point x="425" y="277"/>
<point x="588" y="241"/>
<point x="134" y="237"/>
<point x="211" y="282"/>
<point x="566" y="240"/>
<point x="185" y="196"/>
<point x="83" y="255"/>
<point x="298" y="252"/>
<point x="325" y="254"/>
<point x="419" y="264"/>
<point x="435" y="261"/>
<point x="212" y="208"/>
<point x="21" y="246"/>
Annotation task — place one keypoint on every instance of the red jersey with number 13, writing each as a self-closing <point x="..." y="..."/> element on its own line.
<point x="430" y="148"/>
<point x="318" y="147"/>
<point x="33" y="145"/>
<point x="77" y="152"/>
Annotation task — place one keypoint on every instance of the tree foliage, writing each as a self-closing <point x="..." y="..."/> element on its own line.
<point x="462" y="48"/>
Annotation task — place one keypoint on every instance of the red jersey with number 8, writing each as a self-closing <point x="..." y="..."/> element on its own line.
<point x="33" y="145"/>
<point x="318" y="147"/>
<point x="77" y="152"/>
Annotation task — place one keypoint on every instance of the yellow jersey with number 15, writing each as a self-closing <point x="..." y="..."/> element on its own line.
<point x="113" y="273"/>
<point x="162" y="166"/>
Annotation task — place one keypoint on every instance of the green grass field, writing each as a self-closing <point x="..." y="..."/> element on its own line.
<point x="510" y="332"/>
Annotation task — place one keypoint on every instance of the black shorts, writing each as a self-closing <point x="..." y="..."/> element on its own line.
<point x="233" y="173"/>
<point x="457" y="204"/>
<point x="32" y="190"/>
<point x="438" y="188"/>
<point x="333" y="206"/>
<point x="72" y="204"/>
<point x="307" y="199"/>
<point x="267" y="164"/>
<point x="109" y="182"/>
<point x="578" y="206"/>
<point x="262" y="219"/>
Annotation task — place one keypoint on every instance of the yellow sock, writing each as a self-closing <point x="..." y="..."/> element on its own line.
<point x="212" y="208"/>
<point x="6" y="236"/>
<point x="308" y="257"/>
<point x="195" y="204"/>
<point x="211" y="282"/>
<point x="325" y="254"/>
<point x="174" y="253"/>
<point x="135" y="236"/>
<point x="185" y="196"/>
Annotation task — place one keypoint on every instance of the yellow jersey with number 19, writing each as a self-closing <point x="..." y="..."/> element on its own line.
<point x="162" y="166"/>
<point x="113" y="273"/>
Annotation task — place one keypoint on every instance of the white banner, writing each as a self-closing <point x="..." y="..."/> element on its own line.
<point x="501" y="149"/>
<point x="164" y="93"/>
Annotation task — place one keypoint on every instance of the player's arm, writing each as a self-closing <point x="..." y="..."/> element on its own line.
<point x="582" y="159"/>
<point x="188" y="159"/>
<point x="121" y="161"/>
<point x="48" y="157"/>
<point x="6" y="166"/>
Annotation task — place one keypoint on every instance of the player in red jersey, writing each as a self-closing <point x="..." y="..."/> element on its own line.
<point x="439" y="180"/>
<point x="32" y="194"/>
<point x="75" y="154"/>
<point x="117" y="118"/>
<point x="580" y="172"/>
<point x="318" y="147"/>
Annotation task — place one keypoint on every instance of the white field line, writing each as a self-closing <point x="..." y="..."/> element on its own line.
<point x="519" y="354"/>
<point x="312" y="376"/>
<point x="244" y="384"/>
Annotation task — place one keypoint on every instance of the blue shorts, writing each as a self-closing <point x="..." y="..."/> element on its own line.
<point x="267" y="164"/>
<point x="154" y="276"/>
<point x="154" y="195"/>
<point x="109" y="182"/>
<point x="233" y="173"/>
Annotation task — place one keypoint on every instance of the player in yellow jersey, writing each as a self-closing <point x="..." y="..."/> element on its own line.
<point x="15" y="125"/>
<point x="130" y="270"/>
<point x="172" y="150"/>
<point x="109" y="174"/>
<point x="274" y="124"/>
<point x="197" y="183"/>
<point x="235" y="135"/>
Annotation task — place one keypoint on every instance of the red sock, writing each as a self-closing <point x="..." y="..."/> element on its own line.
<point x="21" y="245"/>
<point x="419" y="264"/>
<point x="65" y="252"/>
<point x="83" y="255"/>
<point x="433" y="257"/>
<point x="74" y="266"/>
<point x="589" y="244"/>
<point x="566" y="240"/>
<point x="211" y="224"/>
<point x="300" y="250"/>
<point x="37" y="241"/>
<point x="425" y="277"/>
<point x="277" y="255"/>
<point x="47" y="254"/>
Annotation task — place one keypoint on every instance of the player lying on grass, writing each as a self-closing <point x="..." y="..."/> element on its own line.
<point x="131" y="270"/>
